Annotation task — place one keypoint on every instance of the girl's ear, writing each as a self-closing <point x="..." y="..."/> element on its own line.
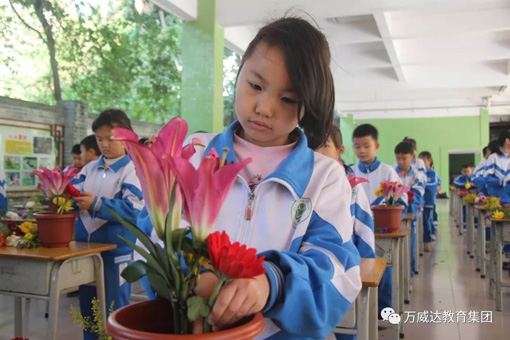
<point x="341" y="150"/>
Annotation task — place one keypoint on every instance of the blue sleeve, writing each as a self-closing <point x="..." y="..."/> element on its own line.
<point x="127" y="203"/>
<point x="460" y="182"/>
<point x="364" y="238"/>
<point x="314" y="283"/>
<point x="3" y="195"/>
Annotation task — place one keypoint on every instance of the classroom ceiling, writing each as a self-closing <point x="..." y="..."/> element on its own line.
<point x="395" y="58"/>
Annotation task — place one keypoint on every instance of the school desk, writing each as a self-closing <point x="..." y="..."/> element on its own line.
<point x="406" y="221"/>
<point x="481" y="258"/>
<point x="392" y="245"/>
<point x="42" y="273"/>
<point x="371" y="272"/>
<point x="500" y="235"/>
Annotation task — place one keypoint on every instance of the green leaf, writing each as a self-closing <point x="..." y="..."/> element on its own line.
<point x="197" y="307"/>
<point x="134" y="271"/>
<point x="159" y="285"/>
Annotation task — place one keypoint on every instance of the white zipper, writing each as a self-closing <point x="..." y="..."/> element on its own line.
<point x="251" y="198"/>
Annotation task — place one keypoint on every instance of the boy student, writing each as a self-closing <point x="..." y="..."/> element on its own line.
<point x="365" y="143"/>
<point x="465" y="177"/>
<point x="77" y="162"/>
<point x="108" y="183"/>
<point x="89" y="149"/>
<point x="404" y="153"/>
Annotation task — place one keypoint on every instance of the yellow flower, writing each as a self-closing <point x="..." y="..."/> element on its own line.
<point x="379" y="192"/>
<point x="28" y="236"/>
<point x="28" y="227"/>
<point x="59" y="201"/>
<point x="498" y="215"/>
<point x="468" y="185"/>
<point x="62" y="204"/>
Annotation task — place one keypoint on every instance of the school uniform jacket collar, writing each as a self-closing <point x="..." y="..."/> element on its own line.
<point x="115" y="166"/>
<point x="366" y="168"/>
<point x="409" y="173"/>
<point x="296" y="169"/>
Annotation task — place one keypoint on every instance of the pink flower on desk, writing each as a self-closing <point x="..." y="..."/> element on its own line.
<point x="400" y="190"/>
<point x="54" y="182"/>
<point x="205" y="189"/>
<point x="153" y="168"/>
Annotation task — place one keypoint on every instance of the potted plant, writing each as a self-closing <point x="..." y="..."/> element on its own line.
<point x="56" y="228"/>
<point x="388" y="215"/>
<point x="171" y="185"/>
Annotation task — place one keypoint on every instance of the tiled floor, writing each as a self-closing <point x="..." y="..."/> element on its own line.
<point x="447" y="282"/>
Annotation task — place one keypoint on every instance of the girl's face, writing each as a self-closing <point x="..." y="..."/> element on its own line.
<point x="108" y="147"/>
<point x="266" y="103"/>
<point x="329" y="149"/>
<point x="426" y="161"/>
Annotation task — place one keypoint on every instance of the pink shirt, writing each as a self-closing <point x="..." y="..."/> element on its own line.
<point x="265" y="159"/>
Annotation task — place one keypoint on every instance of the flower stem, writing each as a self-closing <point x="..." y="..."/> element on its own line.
<point x="212" y="301"/>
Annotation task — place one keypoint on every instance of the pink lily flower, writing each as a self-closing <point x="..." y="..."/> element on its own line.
<point x="152" y="166"/>
<point x="54" y="182"/>
<point x="353" y="180"/>
<point x="205" y="190"/>
<point x="400" y="190"/>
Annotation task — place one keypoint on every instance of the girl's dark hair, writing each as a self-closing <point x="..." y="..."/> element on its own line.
<point x="90" y="142"/>
<point x="112" y="118"/>
<point x="411" y="141"/>
<point x="404" y="148"/>
<point x="503" y="136"/>
<point x="336" y="136"/>
<point x="493" y="146"/>
<point x="365" y="130"/>
<point x="307" y="58"/>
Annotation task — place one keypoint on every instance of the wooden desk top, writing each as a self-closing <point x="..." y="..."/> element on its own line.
<point x="75" y="249"/>
<point x="408" y="217"/>
<point x="402" y="232"/>
<point x="481" y="208"/>
<point x="503" y="220"/>
<point x="371" y="271"/>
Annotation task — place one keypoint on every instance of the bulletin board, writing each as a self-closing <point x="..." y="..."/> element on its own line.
<point x="23" y="150"/>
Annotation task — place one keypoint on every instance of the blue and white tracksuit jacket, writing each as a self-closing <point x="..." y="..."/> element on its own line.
<point x="3" y="191"/>
<point x="311" y="262"/>
<point x="430" y="203"/>
<point x="478" y="177"/>
<point x="376" y="173"/>
<point x="363" y="221"/>
<point x="418" y="167"/>
<point x="417" y="185"/>
<point x="116" y="187"/>
<point x="497" y="176"/>
<point x="461" y="181"/>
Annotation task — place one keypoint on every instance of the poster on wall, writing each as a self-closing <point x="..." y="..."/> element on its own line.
<point x="23" y="150"/>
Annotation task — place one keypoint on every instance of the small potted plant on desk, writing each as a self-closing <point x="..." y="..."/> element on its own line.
<point x="388" y="215"/>
<point x="56" y="228"/>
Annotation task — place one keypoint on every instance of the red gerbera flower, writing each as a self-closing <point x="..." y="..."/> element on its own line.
<point x="233" y="260"/>
<point x="2" y="240"/>
<point x="410" y="196"/>
<point x="72" y="191"/>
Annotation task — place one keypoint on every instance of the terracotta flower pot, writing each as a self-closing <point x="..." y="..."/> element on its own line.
<point x="153" y="320"/>
<point x="55" y="231"/>
<point x="388" y="217"/>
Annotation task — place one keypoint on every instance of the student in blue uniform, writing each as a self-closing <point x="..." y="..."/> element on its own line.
<point x="108" y="183"/>
<point x="464" y="178"/>
<point x="404" y="153"/>
<point x="365" y="143"/>
<point x="3" y="191"/>
<point x="430" y="201"/>
<point x="363" y="221"/>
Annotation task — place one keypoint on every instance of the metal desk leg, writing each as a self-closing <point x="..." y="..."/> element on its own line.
<point x="372" y="308"/>
<point x="483" y="242"/>
<point x="18" y="316"/>
<point x="461" y="216"/>
<point x="407" y="268"/>
<point x="362" y="315"/>
<point x="99" y="274"/>
<point x="492" y="263"/>
<point x="396" y="282"/>
<point x="470" y="220"/>
<point x="51" y="331"/>
<point x="499" y="269"/>
<point x="419" y="238"/>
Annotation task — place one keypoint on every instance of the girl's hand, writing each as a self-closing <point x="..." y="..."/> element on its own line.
<point x="239" y="298"/>
<point x="85" y="201"/>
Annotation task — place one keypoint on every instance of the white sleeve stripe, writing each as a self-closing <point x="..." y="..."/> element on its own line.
<point x="365" y="233"/>
<point x="347" y="283"/>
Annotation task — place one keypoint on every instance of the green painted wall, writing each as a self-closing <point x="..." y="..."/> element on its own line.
<point x="436" y="135"/>
<point x="202" y="70"/>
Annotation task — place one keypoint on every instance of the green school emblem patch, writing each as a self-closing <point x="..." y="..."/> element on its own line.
<point x="300" y="211"/>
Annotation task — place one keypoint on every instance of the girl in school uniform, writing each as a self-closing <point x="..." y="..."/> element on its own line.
<point x="312" y="266"/>
<point x="431" y="186"/>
